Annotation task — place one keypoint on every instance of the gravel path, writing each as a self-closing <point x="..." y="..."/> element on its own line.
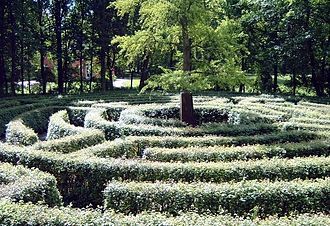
<point x="120" y="82"/>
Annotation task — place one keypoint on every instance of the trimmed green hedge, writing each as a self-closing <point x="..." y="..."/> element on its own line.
<point x="221" y="153"/>
<point x="77" y="115"/>
<point x="38" y="119"/>
<point x="19" y="134"/>
<point x="30" y="185"/>
<point x="263" y="198"/>
<point x="17" y="214"/>
<point x="59" y="126"/>
<point x="6" y="115"/>
<point x="113" y="129"/>
<point x="139" y="143"/>
<point x="86" y="138"/>
<point x="82" y="176"/>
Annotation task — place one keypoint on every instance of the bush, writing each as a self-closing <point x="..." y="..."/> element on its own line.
<point x="141" y="142"/>
<point x="19" y="134"/>
<point x="20" y="183"/>
<point x="82" y="176"/>
<point x="72" y="143"/>
<point x="38" y="119"/>
<point x="59" y="126"/>
<point x="77" y="115"/>
<point x="242" y="198"/>
<point x="112" y="129"/>
<point x="221" y="153"/>
<point x="29" y="214"/>
<point x="7" y="114"/>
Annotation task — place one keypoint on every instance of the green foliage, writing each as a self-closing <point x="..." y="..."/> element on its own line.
<point x="59" y="126"/>
<point x="20" y="183"/>
<point x="178" y="81"/>
<point x="13" y="214"/>
<point x="19" y="134"/>
<point x="240" y="198"/>
<point x="92" y="172"/>
<point x="72" y="143"/>
<point x="221" y="153"/>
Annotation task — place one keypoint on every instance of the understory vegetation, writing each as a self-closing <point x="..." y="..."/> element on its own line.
<point x="127" y="159"/>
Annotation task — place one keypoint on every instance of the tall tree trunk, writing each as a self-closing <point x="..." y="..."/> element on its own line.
<point x="144" y="71"/>
<point x="186" y="45"/>
<point x="22" y="65"/>
<point x="2" y="47"/>
<point x="266" y="79"/>
<point x="66" y="66"/>
<point x="110" y="67"/>
<point x="103" y="42"/>
<point x="91" y="74"/>
<point x="81" y="70"/>
<point x="29" y="75"/>
<point x="103" y="68"/>
<point x="82" y="18"/>
<point x="58" y="31"/>
<point x="275" y="85"/>
<point x="13" y="48"/>
<point x="294" y="82"/>
<point x="41" y="47"/>
<point x="316" y="80"/>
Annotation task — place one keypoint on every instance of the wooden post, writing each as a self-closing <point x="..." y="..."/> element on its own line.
<point x="187" y="109"/>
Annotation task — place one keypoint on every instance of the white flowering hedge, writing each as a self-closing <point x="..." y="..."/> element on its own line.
<point x="20" y="183"/>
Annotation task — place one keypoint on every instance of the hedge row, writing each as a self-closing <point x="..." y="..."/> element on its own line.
<point x="236" y="130"/>
<point x="246" y="197"/>
<point x="134" y="115"/>
<point x="77" y="115"/>
<point x="59" y="126"/>
<point x="19" y="134"/>
<point x="82" y="176"/>
<point x="14" y="214"/>
<point x="38" y="119"/>
<point x="140" y="142"/>
<point x="304" y="126"/>
<point x="96" y="119"/>
<point x="6" y="115"/>
<point x="72" y="143"/>
<point x="221" y="153"/>
<point x="133" y="146"/>
<point x="30" y="185"/>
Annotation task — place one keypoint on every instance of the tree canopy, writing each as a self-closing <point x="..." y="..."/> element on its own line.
<point x="68" y="46"/>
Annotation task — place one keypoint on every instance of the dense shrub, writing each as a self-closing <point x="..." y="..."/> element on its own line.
<point x="114" y="129"/>
<point x="82" y="176"/>
<point x="77" y="115"/>
<point x="7" y="114"/>
<point x="221" y="153"/>
<point x="175" y="142"/>
<point x="59" y="126"/>
<point x="38" y="119"/>
<point x="86" y="138"/>
<point x="242" y="198"/>
<point x="19" y="134"/>
<point x="14" y="214"/>
<point x="19" y="183"/>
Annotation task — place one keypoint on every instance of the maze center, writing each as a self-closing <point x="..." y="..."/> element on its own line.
<point x="248" y="156"/>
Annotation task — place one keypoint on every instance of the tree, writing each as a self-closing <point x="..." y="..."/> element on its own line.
<point x="2" y="48"/>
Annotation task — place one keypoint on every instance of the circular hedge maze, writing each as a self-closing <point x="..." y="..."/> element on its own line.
<point x="128" y="160"/>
